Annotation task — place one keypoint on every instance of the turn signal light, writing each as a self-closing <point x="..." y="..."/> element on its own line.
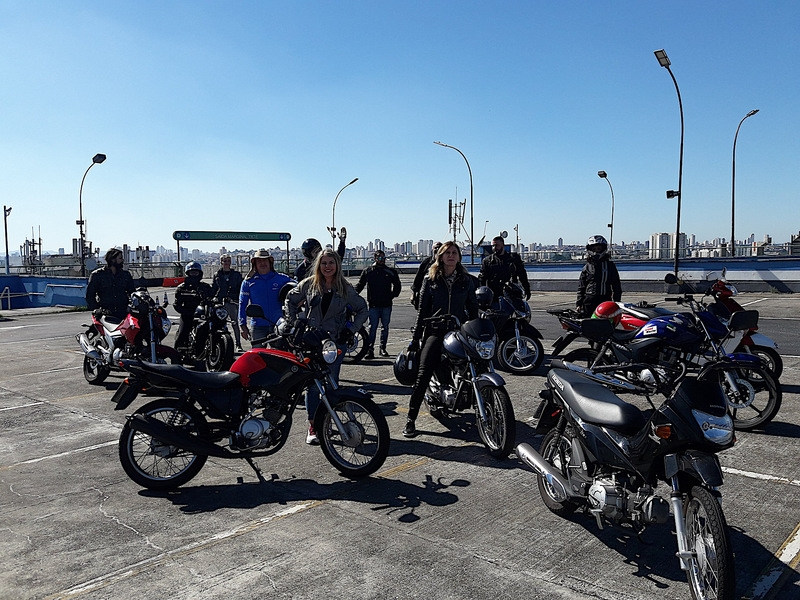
<point x="663" y="431"/>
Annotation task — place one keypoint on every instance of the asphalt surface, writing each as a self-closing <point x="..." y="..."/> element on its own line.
<point x="441" y="519"/>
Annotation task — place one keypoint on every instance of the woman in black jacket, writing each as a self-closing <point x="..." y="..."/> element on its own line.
<point x="447" y="290"/>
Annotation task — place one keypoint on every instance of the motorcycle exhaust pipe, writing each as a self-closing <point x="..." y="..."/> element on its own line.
<point x="168" y="435"/>
<point x="535" y="461"/>
<point x="88" y="349"/>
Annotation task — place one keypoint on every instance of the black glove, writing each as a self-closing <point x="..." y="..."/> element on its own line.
<point x="347" y="336"/>
<point x="527" y="294"/>
<point x="413" y="346"/>
<point x="98" y="313"/>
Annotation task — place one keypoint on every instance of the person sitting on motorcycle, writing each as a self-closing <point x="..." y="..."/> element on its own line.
<point x="329" y="295"/>
<point x="310" y="248"/>
<point x="447" y="290"/>
<point x="188" y="296"/>
<point x="110" y="287"/>
<point x="599" y="279"/>
<point x="261" y="286"/>
<point x="501" y="267"/>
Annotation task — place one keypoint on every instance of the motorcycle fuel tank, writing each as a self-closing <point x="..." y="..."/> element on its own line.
<point x="265" y="367"/>
<point x="676" y="330"/>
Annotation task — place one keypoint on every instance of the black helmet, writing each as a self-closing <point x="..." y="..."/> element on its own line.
<point x="405" y="367"/>
<point x="193" y="266"/>
<point x="112" y="255"/>
<point x="310" y="247"/>
<point x="484" y="295"/>
<point x="380" y="255"/>
<point x="597" y="245"/>
<point x="284" y="291"/>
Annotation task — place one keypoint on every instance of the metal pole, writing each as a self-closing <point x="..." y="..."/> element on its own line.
<point x="332" y="228"/>
<point x="96" y="160"/>
<point x="733" y="181"/>
<point x="604" y="175"/>
<point x="471" y="205"/>
<point x="6" y="212"/>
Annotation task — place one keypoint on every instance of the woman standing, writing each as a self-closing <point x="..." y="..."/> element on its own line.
<point x="447" y="290"/>
<point x="328" y="294"/>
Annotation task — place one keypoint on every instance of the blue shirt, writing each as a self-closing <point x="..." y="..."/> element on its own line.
<point x="263" y="290"/>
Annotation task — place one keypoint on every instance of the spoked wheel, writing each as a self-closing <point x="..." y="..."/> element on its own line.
<point x="521" y="358"/>
<point x="710" y="571"/>
<point x="367" y="443"/>
<point x="499" y="431"/>
<point x="556" y="449"/>
<point x="94" y="371"/>
<point x="357" y="349"/>
<point x="772" y="360"/>
<point x="154" y="464"/>
<point x="754" y="398"/>
<point x="219" y="353"/>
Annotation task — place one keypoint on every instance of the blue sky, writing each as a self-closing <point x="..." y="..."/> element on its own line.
<point x="252" y="115"/>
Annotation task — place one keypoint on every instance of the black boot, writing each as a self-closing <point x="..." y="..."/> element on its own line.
<point x="410" y="429"/>
<point x="370" y="354"/>
<point x="383" y="351"/>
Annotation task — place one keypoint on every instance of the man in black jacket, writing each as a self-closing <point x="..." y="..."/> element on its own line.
<point x="110" y="287"/>
<point x="225" y="288"/>
<point x="501" y="267"/>
<point x="599" y="280"/>
<point x="188" y="296"/>
<point x="383" y="286"/>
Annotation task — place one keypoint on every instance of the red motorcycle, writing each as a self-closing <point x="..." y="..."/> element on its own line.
<point x="138" y="336"/>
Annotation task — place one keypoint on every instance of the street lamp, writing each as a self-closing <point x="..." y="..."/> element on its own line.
<point x="604" y="175"/>
<point x="96" y="160"/>
<point x="6" y="212"/>
<point x="663" y="60"/>
<point x="733" y="180"/>
<point x="332" y="228"/>
<point x="471" y="205"/>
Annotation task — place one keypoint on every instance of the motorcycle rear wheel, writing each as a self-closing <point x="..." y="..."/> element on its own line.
<point x="556" y="449"/>
<point x="522" y="361"/>
<point x="770" y="356"/>
<point x="94" y="372"/>
<point x="763" y="393"/>
<point x="219" y="353"/>
<point x="368" y="446"/>
<point x="710" y="573"/>
<point x="357" y="349"/>
<point x="156" y="465"/>
<point x="499" y="431"/>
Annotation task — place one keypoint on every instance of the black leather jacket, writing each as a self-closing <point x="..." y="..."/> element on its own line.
<point x="226" y="287"/>
<point x="437" y="299"/>
<point x="109" y="291"/>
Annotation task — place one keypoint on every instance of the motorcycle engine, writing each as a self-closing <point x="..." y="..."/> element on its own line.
<point x="608" y="498"/>
<point x="254" y="433"/>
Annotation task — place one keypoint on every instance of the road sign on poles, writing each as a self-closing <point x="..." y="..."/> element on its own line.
<point x="246" y="236"/>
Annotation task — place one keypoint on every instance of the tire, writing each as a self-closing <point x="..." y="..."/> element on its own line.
<point x="770" y="356"/>
<point x="219" y="354"/>
<point x="522" y="362"/>
<point x="556" y="449"/>
<point x="95" y="372"/>
<point x="759" y="398"/>
<point x="711" y="573"/>
<point x="368" y="446"/>
<point x="153" y="464"/>
<point x="358" y="349"/>
<point x="499" y="432"/>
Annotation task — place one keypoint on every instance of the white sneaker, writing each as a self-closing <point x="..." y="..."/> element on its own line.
<point x="311" y="437"/>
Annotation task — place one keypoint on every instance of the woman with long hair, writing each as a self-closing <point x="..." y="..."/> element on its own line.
<point x="326" y="295"/>
<point x="447" y="290"/>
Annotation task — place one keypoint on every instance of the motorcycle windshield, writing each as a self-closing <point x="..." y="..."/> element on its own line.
<point x="480" y="329"/>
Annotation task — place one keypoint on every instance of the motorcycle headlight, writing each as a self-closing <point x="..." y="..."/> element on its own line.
<point x="718" y="430"/>
<point x="329" y="351"/>
<point x="484" y="349"/>
<point x="221" y="313"/>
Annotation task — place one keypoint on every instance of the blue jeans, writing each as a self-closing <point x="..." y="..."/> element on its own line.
<point x="383" y="315"/>
<point x="312" y="394"/>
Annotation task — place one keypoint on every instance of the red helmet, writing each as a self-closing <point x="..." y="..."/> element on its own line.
<point x="608" y="310"/>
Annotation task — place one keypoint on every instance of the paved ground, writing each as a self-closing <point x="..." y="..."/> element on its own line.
<point x="441" y="519"/>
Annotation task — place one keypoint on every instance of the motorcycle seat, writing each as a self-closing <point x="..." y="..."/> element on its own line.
<point x="595" y="403"/>
<point x="183" y="376"/>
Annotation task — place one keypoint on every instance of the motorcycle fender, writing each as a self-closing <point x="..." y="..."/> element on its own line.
<point x="336" y="396"/>
<point x="700" y="466"/>
<point x="530" y="331"/>
<point x="163" y="351"/>
<point x="736" y="360"/>
<point x="759" y="339"/>
<point x="493" y="379"/>
<point x="562" y="342"/>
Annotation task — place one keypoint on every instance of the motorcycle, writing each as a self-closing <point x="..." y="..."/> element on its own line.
<point x="358" y="346"/>
<point x="667" y="348"/>
<point x="607" y="457"/>
<point x="210" y="341"/>
<point x="466" y="380"/>
<point x="246" y="412"/>
<point x="519" y="347"/>
<point x="139" y="335"/>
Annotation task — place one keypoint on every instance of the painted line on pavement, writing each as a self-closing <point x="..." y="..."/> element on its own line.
<point x="59" y="455"/>
<point x="21" y="406"/>
<point x="760" y="476"/>
<point x="768" y="584"/>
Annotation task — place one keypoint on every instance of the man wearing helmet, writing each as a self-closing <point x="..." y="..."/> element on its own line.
<point x="311" y="247"/>
<point x="383" y="286"/>
<point x="110" y="287"/>
<point x="501" y="267"/>
<point x="188" y="296"/>
<point x="599" y="280"/>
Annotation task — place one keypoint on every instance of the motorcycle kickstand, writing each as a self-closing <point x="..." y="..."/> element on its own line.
<point x="256" y="469"/>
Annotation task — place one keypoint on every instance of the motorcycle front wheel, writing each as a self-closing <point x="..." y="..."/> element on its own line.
<point x="357" y="349"/>
<point x="154" y="464"/>
<point x="556" y="449"/>
<point x="710" y="571"/>
<point x="94" y="371"/>
<point x="367" y="446"/>
<point x="756" y="398"/>
<point x="499" y="431"/>
<point x="219" y="353"/>
<point x="523" y="358"/>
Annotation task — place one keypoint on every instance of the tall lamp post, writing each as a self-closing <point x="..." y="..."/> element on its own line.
<point x="96" y="160"/>
<point x="604" y="175"/>
<point x="6" y="212"/>
<point x="733" y="181"/>
<point x="471" y="205"/>
<point x="332" y="228"/>
<point x="663" y="60"/>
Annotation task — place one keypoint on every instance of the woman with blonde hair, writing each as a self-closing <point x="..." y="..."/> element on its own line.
<point x="447" y="290"/>
<point x="326" y="295"/>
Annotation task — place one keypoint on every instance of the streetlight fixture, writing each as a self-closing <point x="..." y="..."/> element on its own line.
<point x="471" y="205"/>
<point x="733" y="180"/>
<point x="663" y="60"/>
<point x="6" y="212"/>
<point x="604" y="175"/>
<point x="332" y="228"/>
<point x="96" y="160"/>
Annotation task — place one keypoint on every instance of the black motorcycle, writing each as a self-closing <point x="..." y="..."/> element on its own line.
<point x="519" y="348"/>
<point x="606" y="456"/>
<point x="210" y="341"/>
